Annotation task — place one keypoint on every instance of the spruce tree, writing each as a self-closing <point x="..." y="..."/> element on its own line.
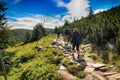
<point x="4" y="34"/>
<point x="4" y="30"/>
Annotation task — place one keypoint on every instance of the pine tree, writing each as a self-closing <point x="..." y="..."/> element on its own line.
<point x="4" y="34"/>
<point x="38" y="33"/>
<point x="90" y="12"/>
<point x="4" y="30"/>
<point x="55" y="30"/>
<point x="27" y="37"/>
<point x="66" y="23"/>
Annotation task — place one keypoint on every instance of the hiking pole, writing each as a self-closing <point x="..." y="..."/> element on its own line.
<point x="3" y="65"/>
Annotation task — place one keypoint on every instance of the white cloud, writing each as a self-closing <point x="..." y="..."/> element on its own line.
<point x="16" y="1"/>
<point x="99" y="10"/>
<point x="76" y="8"/>
<point x="30" y="22"/>
<point x="60" y="3"/>
<point x="68" y="18"/>
<point x="58" y="16"/>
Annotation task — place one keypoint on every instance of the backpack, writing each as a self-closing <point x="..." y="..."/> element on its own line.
<point x="66" y="32"/>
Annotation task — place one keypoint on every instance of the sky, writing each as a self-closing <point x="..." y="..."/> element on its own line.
<point x="25" y="14"/>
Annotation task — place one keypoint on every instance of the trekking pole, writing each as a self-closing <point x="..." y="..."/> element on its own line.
<point x="3" y="65"/>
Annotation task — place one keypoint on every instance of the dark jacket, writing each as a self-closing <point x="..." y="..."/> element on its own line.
<point x="76" y="38"/>
<point x="66" y="31"/>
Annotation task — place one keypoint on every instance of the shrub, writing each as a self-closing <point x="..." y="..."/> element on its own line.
<point x="105" y="57"/>
<point x="66" y="62"/>
<point x="46" y="72"/>
<point x="95" y="57"/>
<point x="57" y="60"/>
<point x="74" y="68"/>
<point x="81" y="74"/>
<point x="26" y="57"/>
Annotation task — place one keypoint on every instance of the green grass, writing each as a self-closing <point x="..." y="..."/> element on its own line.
<point x="26" y="64"/>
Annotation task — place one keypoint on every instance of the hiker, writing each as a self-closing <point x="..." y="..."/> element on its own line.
<point x="75" y="40"/>
<point x="66" y="36"/>
<point x="57" y="32"/>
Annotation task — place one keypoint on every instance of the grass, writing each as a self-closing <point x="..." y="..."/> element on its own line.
<point x="30" y="65"/>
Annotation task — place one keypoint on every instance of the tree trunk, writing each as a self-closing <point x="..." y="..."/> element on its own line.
<point x="3" y="65"/>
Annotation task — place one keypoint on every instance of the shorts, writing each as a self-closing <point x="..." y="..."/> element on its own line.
<point x="66" y="38"/>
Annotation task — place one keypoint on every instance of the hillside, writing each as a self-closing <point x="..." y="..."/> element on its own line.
<point x="24" y="63"/>
<point x="101" y="28"/>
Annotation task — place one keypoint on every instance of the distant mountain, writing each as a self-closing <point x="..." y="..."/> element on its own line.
<point x="49" y="30"/>
<point x="19" y="32"/>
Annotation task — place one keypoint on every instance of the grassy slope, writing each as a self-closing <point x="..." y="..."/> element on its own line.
<point x="25" y="59"/>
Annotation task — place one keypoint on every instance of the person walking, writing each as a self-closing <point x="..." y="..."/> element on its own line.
<point x="58" y="34"/>
<point x="75" y="41"/>
<point x="66" y="35"/>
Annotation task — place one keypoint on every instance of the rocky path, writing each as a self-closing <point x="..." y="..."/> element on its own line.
<point x="96" y="71"/>
<point x="66" y="75"/>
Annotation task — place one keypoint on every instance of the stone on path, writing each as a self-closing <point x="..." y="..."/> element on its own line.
<point x="61" y="48"/>
<point x="103" y="69"/>
<point x="89" y="64"/>
<point x="69" y="57"/>
<point x="111" y="78"/>
<point x="66" y="75"/>
<point x="109" y="73"/>
<point x="66" y="55"/>
<point x="98" y="75"/>
<point x="66" y="52"/>
<point x="89" y="69"/>
<point x="88" y="59"/>
<point x="87" y="45"/>
<point x="67" y="48"/>
<point x="83" y="63"/>
<point x="98" y="65"/>
<point x="88" y="77"/>
<point x="117" y="76"/>
<point x="63" y="67"/>
<point x="54" y="46"/>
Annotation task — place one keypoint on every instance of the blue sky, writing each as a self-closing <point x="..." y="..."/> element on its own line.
<point x="26" y="13"/>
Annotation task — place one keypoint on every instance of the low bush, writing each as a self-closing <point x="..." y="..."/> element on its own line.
<point x="81" y="74"/>
<point x="26" y="57"/>
<point x="74" y="68"/>
<point x="46" y="72"/>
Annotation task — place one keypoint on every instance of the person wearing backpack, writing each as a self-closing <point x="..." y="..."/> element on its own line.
<point x="75" y="41"/>
<point x="66" y="35"/>
<point x="58" y="34"/>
